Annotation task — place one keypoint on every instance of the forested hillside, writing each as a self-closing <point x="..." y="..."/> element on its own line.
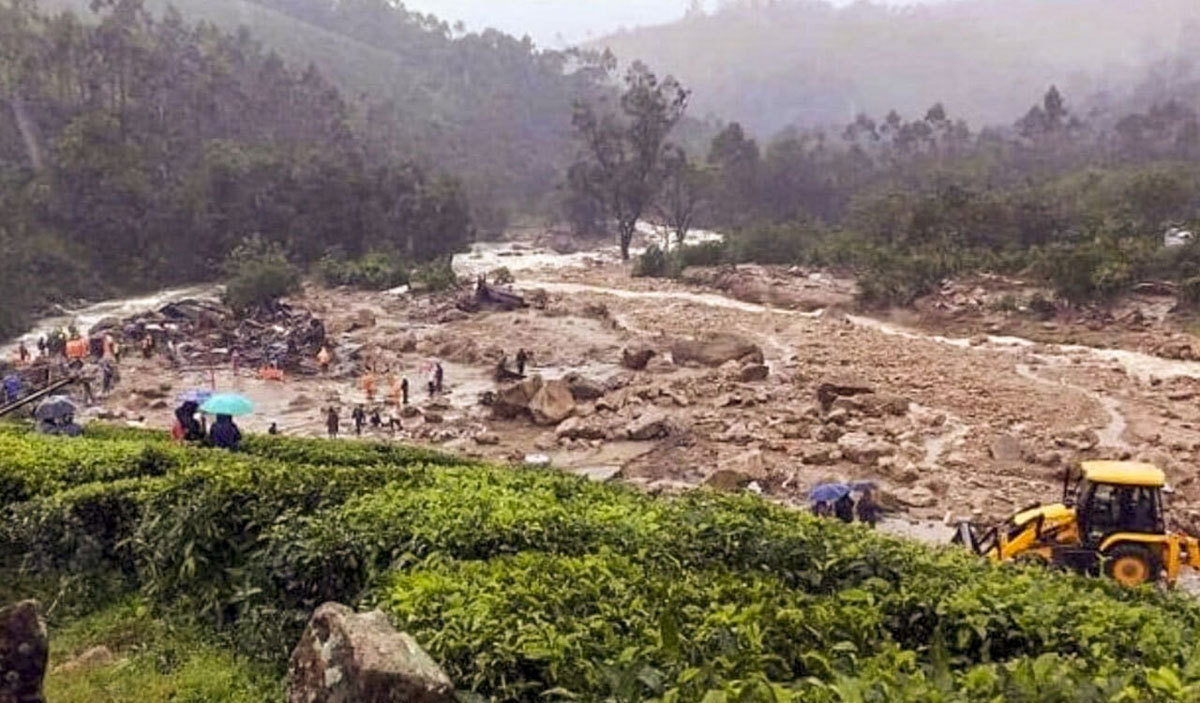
<point x="772" y="63"/>
<point x="138" y="152"/>
<point x="490" y="108"/>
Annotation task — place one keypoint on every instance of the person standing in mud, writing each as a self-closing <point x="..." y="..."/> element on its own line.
<point x="866" y="509"/>
<point x="108" y="374"/>
<point x="41" y="346"/>
<point x="404" y="390"/>
<point x="147" y="346"/>
<point x="332" y="421"/>
<point x="843" y="508"/>
<point x="23" y="352"/>
<point x="522" y="359"/>
<point x="360" y="419"/>
<point x="439" y="376"/>
<point x="323" y="359"/>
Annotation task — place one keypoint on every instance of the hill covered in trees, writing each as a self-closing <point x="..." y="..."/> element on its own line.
<point x="490" y="108"/>
<point x="140" y="152"/>
<point x="774" y="63"/>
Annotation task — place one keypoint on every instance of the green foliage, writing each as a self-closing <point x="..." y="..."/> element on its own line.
<point x="655" y="263"/>
<point x="711" y="253"/>
<point x="373" y="271"/>
<point x="436" y="275"/>
<point x="259" y="274"/>
<point x="527" y="584"/>
<point x="160" y="147"/>
<point x="156" y="663"/>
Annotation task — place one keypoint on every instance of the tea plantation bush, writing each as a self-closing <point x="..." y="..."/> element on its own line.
<point x="531" y="586"/>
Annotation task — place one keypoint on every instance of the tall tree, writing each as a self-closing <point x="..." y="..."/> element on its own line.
<point x="624" y="151"/>
<point x="685" y="192"/>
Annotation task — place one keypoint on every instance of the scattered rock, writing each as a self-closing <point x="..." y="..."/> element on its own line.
<point x="579" y="428"/>
<point x="584" y="389"/>
<point x="651" y="425"/>
<point x="94" y="657"/>
<point x="487" y="439"/>
<point x="917" y="497"/>
<point x="553" y="403"/>
<point x="831" y="390"/>
<point x="432" y="417"/>
<point x="1005" y="448"/>
<point x="738" y="472"/>
<point x="864" y="449"/>
<point x="346" y="657"/>
<point x="24" y="653"/>
<point x="714" y="350"/>
<point x="636" y="360"/>
<point x="752" y="373"/>
<point x="817" y="456"/>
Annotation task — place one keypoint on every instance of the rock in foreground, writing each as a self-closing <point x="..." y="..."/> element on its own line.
<point x="24" y="652"/>
<point x="346" y="657"/>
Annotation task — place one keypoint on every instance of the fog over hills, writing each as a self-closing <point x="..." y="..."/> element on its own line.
<point x="771" y="63"/>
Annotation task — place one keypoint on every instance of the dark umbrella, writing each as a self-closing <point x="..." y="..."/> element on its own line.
<point x="55" y="407"/>
<point x="828" y="492"/>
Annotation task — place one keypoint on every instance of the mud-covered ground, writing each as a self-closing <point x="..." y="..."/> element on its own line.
<point x="957" y="424"/>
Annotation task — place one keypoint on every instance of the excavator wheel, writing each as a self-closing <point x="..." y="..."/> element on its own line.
<point x="1131" y="564"/>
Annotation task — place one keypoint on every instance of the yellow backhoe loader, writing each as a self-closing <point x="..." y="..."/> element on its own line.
<point x="1111" y="520"/>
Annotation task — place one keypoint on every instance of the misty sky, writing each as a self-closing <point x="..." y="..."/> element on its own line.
<point x="555" y="23"/>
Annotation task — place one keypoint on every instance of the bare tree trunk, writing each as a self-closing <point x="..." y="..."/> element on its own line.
<point x="28" y="132"/>
<point x="626" y="231"/>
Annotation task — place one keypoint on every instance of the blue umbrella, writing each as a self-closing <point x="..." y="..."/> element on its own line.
<point x="196" y="395"/>
<point x="227" y="404"/>
<point x="828" y="492"/>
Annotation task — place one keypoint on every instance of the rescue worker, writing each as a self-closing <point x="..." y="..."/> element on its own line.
<point x="23" y="352"/>
<point x="332" y="421"/>
<point x="438" y="376"/>
<point x="41" y="345"/>
<point x="522" y="359"/>
<point x="360" y="418"/>
<point x="323" y="359"/>
<point x="404" y="389"/>
<point x="147" y="346"/>
<point x="108" y="374"/>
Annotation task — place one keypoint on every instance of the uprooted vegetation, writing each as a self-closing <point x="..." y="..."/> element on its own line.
<point x="525" y="584"/>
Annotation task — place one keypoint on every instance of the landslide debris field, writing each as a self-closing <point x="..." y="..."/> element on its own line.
<point x="737" y="379"/>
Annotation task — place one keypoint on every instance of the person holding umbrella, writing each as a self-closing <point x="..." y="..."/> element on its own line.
<point x="224" y="433"/>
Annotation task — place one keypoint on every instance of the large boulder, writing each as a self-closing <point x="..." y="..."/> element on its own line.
<point x="24" y="653"/>
<point x="861" y="448"/>
<point x="579" y="428"/>
<point x="346" y="657"/>
<point x="830" y="390"/>
<point x="584" y="389"/>
<point x="636" y="360"/>
<point x="513" y="401"/>
<point x="738" y="472"/>
<point x="553" y="403"/>
<point x="752" y="373"/>
<point x="715" y="350"/>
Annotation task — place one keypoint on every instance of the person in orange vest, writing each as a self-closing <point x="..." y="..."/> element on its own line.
<point x="368" y="385"/>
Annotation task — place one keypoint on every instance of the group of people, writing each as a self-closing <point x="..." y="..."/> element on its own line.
<point x="223" y="434"/>
<point x="848" y="509"/>
<point x="361" y="418"/>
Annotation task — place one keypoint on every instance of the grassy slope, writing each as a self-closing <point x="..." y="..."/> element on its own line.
<point x="154" y="663"/>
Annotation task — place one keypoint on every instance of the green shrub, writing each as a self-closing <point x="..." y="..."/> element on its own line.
<point x="711" y="253"/>
<point x="655" y="263"/>
<point x="530" y="585"/>
<point x="258" y="273"/>
<point x="373" y="271"/>
<point x="437" y="275"/>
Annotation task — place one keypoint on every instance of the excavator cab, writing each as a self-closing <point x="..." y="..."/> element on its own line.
<point x="1111" y="520"/>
